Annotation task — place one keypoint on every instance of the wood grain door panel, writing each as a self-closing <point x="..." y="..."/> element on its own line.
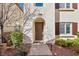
<point x="38" y="30"/>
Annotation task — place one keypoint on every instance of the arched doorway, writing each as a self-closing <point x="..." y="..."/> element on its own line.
<point x="39" y="27"/>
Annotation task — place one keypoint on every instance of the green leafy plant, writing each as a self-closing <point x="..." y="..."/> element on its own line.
<point x="17" y="38"/>
<point x="76" y="45"/>
<point x="76" y="42"/>
<point x="69" y="42"/>
<point x="78" y="34"/>
<point x="61" y="42"/>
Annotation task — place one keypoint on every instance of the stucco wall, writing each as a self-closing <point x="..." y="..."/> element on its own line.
<point x="48" y="14"/>
<point x="66" y="16"/>
<point x="16" y="15"/>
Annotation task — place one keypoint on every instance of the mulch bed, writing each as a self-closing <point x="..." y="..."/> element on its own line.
<point x="62" y="51"/>
<point x="10" y="51"/>
<point x="55" y="49"/>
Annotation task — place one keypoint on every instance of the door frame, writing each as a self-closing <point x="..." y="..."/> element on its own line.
<point x="39" y="19"/>
<point x="41" y="32"/>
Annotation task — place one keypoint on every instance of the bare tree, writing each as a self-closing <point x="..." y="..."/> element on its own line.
<point x="29" y="16"/>
<point x="4" y="11"/>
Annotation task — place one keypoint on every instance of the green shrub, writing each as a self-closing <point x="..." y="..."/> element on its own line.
<point x="76" y="42"/>
<point x="66" y="43"/>
<point x="61" y="42"/>
<point x="76" y="45"/>
<point x="17" y="38"/>
<point x="78" y="34"/>
<point x="69" y="42"/>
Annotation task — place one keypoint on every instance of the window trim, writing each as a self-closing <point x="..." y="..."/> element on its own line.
<point x="68" y="6"/>
<point x="33" y="5"/>
<point x="65" y="5"/>
<point x="39" y="5"/>
<point x="65" y="34"/>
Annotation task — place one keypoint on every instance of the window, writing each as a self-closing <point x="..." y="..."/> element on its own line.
<point x="39" y="4"/>
<point x="65" y="28"/>
<point x="65" y="5"/>
<point x="62" y="5"/>
<point x="21" y="5"/>
<point x="62" y="28"/>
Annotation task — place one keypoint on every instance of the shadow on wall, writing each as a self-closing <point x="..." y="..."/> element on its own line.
<point x="26" y="39"/>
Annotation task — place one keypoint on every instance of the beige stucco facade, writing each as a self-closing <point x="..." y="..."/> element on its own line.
<point x="48" y="15"/>
<point x="15" y="16"/>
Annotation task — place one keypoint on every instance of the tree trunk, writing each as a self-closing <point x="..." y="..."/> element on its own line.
<point x="2" y="34"/>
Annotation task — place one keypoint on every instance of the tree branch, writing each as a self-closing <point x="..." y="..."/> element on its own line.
<point x="29" y="15"/>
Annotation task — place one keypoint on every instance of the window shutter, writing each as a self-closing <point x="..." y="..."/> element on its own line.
<point x="56" y="5"/>
<point x="57" y="30"/>
<point x="74" y="28"/>
<point x="74" y="5"/>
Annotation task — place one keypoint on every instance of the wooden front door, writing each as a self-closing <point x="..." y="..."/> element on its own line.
<point x="38" y="31"/>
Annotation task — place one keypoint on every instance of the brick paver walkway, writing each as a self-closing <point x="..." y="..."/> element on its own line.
<point x="39" y="49"/>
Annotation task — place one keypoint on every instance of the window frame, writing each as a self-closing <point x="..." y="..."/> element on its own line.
<point x="39" y="5"/>
<point x="61" y="5"/>
<point x="61" y="28"/>
<point x="21" y="5"/>
<point x="68" y="25"/>
<point x="65" y="27"/>
<point x="68" y="6"/>
<point x="65" y="5"/>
